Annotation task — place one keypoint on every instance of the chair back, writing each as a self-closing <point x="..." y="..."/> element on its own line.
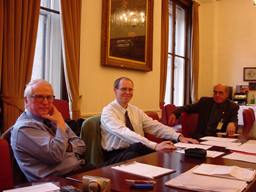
<point x="154" y="116"/>
<point x="63" y="107"/>
<point x="91" y="134"/>
<point x="6" y="173"/>
<point x="189" y="123"/>
<point x="17" y="175"/>
<point x="166" y="111"/>
<point x="249" y="119"/>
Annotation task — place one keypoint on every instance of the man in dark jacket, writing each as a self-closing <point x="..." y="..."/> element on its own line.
<point x="216" y="114"/>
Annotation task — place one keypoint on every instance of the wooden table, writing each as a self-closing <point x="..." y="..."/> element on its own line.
<point x="170" y="159"/>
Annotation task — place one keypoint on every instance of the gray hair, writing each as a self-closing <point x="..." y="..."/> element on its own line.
<point x="117" y="81"/>
<point x="29" y="87"/>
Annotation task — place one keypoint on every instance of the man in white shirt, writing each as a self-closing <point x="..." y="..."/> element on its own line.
<point x="121" y="142"/>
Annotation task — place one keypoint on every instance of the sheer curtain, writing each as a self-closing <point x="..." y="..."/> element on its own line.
<point x="71" y="25"/>
<point x="18" y="23"/>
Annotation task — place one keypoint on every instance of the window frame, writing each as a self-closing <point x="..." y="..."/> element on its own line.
<point x="187" y="6"/>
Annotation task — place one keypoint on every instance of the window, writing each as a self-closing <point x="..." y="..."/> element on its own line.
<point x="48" y="61"/>
<point x="178" y="52"/>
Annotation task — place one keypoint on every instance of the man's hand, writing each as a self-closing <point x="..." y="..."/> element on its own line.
<point x="171" y="119"/>
<point x="187" y="140"/>
<point x="56" y="118"/>
<point x="231" y="129"/>
<point x="165" y="145"/>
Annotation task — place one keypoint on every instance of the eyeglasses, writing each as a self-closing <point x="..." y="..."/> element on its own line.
<point x="41" y="98"/>
<point x="124" y="89"/>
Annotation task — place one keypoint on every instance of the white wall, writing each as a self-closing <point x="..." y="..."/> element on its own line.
<point x="96" y="82"/>
<point x="227" y="44"/>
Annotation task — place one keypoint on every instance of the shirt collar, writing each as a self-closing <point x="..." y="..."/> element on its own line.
<point x="121" y="108"/>
<point x="30" y="115"/>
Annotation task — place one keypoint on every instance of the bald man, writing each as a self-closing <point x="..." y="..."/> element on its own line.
<point x="216" y="114"/>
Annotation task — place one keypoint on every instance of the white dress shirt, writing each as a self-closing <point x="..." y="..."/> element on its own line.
<point x="115" y="134"/>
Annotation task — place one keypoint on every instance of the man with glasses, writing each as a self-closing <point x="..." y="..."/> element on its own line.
<point x="216" y="114"/>
<point x="42" y="143"/>
<point x="123" y="126"/>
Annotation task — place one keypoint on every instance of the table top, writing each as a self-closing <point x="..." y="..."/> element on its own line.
<point x="169" y="159"/>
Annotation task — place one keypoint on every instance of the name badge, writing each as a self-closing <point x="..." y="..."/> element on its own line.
<point x="220" y="124"/>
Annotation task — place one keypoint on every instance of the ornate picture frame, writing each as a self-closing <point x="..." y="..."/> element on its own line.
<point x="249" y="73"/>
<point x="127" y="34"/>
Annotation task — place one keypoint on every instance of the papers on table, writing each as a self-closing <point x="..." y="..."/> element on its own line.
<point x="229" y="172"/>
<point x="241" y="157"/>
<point x="248" y="147"/>
<point x="190" y="145"/>
<point x="220" y="144"/>
<point x="142" y="169"/>
<point x="45" y="187"/>
<point x="197" y="182"/>
<point x="221" y="139"/>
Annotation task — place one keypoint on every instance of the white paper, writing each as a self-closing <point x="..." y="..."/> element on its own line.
<point x="196" y="182"/>
<point x="241" y="157"/>
<point x="45" y="187"/>
<point x="220" y="139"/>
<point x="248" y="147"/>
<point x="231" y="172"/>
<point x="220" y="144"/>
<point x="141" y="169"/>
<point x="190" y="145"/>
<point x="209" y="153"/>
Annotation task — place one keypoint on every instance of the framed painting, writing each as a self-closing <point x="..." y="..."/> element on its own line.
<point x="127" y="34"/>
<point x="249" y="73"/>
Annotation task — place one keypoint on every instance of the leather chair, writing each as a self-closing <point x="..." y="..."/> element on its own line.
<point x="189" y="123"/>
<point x="166" y="111"/>
<point x="154" y="116"/>
<point x="17" y="175"/>
<point x="91" y="134"/>
<point x="6" y="173"/>
<point x="63" y="107"/>
<point x="249" y="119"/>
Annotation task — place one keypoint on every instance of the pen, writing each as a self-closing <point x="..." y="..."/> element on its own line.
<point x="73" y="179"/>
<point x="140" y="181"/>
<point x="142" y="186"/>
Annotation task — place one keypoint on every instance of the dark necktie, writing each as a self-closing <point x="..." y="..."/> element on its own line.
<point x="50" y="127"/>
<point x="128" y="121"/>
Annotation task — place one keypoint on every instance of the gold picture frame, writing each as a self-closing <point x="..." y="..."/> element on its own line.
<point x="249" y="73"/>
<point x="127" y="34"/>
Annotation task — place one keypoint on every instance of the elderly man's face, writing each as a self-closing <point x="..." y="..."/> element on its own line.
<point x="220" y="94"/>
<point x="41" y="101"/>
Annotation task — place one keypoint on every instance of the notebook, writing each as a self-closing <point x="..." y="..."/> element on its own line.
<point x="141" y="169"/>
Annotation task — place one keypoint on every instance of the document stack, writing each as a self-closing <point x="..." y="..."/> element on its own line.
<point x="217" y="178"/>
